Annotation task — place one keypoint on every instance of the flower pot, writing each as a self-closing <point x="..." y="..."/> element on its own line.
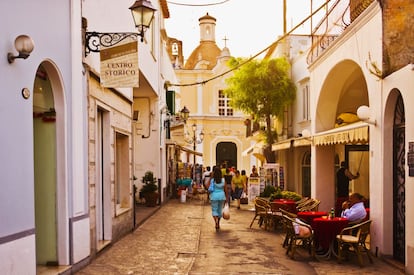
<point x="151" y="199"/>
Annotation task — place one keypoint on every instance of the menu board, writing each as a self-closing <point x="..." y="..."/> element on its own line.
<point x="253" y="188"/>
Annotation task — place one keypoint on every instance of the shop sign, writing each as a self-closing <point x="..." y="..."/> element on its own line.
<point x="119" y="66"/>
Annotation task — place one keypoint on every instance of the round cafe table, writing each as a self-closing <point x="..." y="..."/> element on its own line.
<point x="325" y="230"/>
<point x="309" y="216"/>
<point x="288" y="205"/>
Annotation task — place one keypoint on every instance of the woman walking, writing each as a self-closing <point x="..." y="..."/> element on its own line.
<point x="218" y="196"/>
<point x="238" y="186"/>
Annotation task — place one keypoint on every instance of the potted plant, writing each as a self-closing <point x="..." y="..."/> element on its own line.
<point x="150" y="189"/>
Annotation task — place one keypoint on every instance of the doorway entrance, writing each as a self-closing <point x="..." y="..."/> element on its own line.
<point x="399" y="180"/>
<point x="226" y="152"/>
<point x="45" y="176"/>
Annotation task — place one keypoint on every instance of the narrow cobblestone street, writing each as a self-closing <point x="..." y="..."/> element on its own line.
<point x="180" y="238"/>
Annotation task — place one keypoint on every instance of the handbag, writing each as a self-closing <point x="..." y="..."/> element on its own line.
<point x="244" y="199"/>
<point x="226" y="211"/>
<point x="211" y="187"/>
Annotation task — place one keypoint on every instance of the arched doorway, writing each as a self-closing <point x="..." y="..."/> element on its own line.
<point x="226" y="152"/>
<point x="399" y="180"/>
<point x="51" y="217"/>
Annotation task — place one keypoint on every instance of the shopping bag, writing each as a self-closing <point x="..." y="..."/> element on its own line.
<point x="244" y="199"/>
<point x="226" y="212"/>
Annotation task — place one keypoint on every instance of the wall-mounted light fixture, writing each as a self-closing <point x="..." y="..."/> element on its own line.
<point x="364" y="114"/>
<point x="24" y="45"/>
<point x="142" y="12"/>
<point x="306" y="133"/>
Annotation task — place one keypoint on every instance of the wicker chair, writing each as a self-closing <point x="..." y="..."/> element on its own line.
<point x="262" y="212"/>
<point x="357" y="242"/>
<point x="302" y="200"/>
<point x="276" y="212"/>
<point x="311" y="207"/>
<point x="293" y="239"/>
<point x="285" y="226"/>
<point x="307" y="202"/>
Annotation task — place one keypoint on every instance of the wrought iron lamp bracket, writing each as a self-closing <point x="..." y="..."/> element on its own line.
<point x="94" y="40"/>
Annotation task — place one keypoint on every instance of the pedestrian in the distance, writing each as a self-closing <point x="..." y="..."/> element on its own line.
<point x="227" y="179"/>
<point x="218" y="196"/>
<point x="343" y="177"/>
<point x="254" y="172"/>
<point x="206" y="177"/>
<point x="238" y="187"/>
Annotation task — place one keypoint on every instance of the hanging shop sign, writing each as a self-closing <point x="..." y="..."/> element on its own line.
<point x="119" y="65"/>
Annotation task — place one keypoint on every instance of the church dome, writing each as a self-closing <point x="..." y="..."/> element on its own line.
<point x="206" y="54"/>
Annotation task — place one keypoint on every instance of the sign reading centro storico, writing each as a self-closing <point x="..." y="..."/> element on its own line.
<point x="119" y="66"/>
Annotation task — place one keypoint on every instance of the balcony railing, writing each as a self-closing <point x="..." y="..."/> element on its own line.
<point x="338" y="17"/>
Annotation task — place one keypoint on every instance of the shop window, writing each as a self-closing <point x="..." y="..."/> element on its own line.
<point x="122" y="181"/>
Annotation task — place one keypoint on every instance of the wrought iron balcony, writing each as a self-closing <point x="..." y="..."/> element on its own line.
<point x="338" y="17"/>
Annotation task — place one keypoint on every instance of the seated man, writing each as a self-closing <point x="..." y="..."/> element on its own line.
<point x="301" y="230"/>
<point x="355" y="210"/>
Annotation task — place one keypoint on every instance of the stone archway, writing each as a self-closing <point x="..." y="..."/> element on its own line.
<point x="343" y="91"/>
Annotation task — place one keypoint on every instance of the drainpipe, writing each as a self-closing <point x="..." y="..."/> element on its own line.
<point x="151" y="114"/>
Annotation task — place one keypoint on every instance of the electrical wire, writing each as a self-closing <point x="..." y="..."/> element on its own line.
<point x="197" y="5"/>
<point x="254" y="56"/>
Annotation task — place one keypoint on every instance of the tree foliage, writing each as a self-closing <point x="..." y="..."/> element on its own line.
<point x="262" y="88"/>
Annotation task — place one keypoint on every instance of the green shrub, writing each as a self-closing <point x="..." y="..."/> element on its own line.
<point x="291" y="195"/>
<point x="150" y="183"/>
<point x="268" y="191"/>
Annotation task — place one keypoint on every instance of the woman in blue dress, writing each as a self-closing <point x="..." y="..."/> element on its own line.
<point x="218" y="196"/>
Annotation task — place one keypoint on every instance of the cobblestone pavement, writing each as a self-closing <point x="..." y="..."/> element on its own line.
<point x="180" y="238"/>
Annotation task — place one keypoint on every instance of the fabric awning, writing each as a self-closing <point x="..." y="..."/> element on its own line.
<point x="187" y="150"/>
<point x="256" y="150"/>
<point x="355" y="133"/>
<point x="259" y="155"/>
<point x="282" y="145"/>
<point x="303" y="141"/>
<point x="182" y="148"/>
<point x="248" y="151"/>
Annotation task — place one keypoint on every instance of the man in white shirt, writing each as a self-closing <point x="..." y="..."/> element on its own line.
<point x="207" y="177"/>
<point x="357" y="210"/>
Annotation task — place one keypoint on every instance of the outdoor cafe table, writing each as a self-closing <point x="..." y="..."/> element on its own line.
<point x="309" y="216"/>
<point x="325" y="230"/>
<point x="286" y="204"/>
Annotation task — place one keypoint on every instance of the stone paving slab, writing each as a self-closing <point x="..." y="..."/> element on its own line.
<point x="180" y="238"/>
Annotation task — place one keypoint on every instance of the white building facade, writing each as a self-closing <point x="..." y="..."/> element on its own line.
<point x="44" y="202"/>
<point x="357" y="59"/>
<point x="75" y="147"/>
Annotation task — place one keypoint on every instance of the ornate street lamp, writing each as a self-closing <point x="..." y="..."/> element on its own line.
<point x="143" y="13"/>
<point x="185" y="113"/>
<point x="194" y="140"/>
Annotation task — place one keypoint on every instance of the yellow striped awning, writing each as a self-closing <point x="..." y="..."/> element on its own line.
<point x="303" y="141"/>
<point x="355" y="133"/>
<point x="282" y="145"/>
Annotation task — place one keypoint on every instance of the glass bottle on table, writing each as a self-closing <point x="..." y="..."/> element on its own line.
<point x="332" y="213"/>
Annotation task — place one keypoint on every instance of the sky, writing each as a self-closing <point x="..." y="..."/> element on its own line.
<point x="249" y="26"/>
